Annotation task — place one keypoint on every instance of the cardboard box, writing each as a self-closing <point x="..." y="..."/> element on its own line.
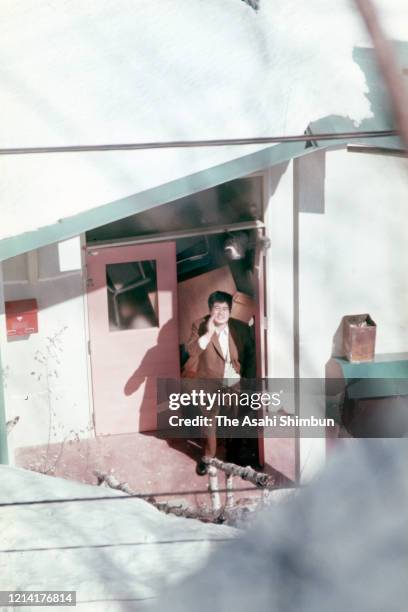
<point x="359" y="332"/>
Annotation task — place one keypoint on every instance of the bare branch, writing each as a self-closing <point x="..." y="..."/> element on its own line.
<point x="203" y="515"/>
<point x="259" y="479"/>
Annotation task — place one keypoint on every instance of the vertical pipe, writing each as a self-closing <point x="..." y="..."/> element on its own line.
<point x="296" y="322"/>
<point x="3" y="428"/>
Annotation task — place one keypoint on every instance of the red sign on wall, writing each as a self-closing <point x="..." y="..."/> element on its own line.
<point x="21" y="317"/>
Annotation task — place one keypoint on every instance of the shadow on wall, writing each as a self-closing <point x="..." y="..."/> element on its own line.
<point x="337" y="344"/>
<point x="52" y="286"/>
<point x="147" y="374"/>
<point x="377" y="95"/>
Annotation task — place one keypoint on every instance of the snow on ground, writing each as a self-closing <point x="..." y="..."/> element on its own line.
<point x="115" y="553"/>
<point x="339" y="545"/>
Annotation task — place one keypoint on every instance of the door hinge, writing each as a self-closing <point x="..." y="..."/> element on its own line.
<point x="89" y="347"/>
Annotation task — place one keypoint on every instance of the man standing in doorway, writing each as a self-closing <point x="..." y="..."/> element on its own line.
<point x="220" y="347"/>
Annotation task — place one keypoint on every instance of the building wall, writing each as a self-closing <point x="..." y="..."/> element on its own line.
<point x="350" y="212"/>
<point x="279" y="271"/>
<point x="353" y="252"/>
<point x="174" y="75"/>
<point x="282" y="453"/>
<point x="337" y="223"/>
<point x="45" y="374"/>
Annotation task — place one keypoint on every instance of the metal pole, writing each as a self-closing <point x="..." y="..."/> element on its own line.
<point x="94" y="246"/>
<point x="132" y="146"/>
<point x="3" y="427"/>
<point x="377" y="150"/>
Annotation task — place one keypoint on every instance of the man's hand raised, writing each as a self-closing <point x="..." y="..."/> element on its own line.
<point x="210" y="326"/>
<point x="205" y="339"/>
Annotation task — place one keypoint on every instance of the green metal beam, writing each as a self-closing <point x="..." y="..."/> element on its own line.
<point x="78" y="224"/>
<point x="179" y="188"/>
<point x="3" y="428"/>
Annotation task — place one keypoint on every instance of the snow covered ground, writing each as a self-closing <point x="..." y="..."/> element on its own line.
<point x="339" y="545"/>
<point x="116" y="554"/>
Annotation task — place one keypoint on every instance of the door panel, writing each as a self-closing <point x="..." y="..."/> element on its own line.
<point x="132" y="292"/>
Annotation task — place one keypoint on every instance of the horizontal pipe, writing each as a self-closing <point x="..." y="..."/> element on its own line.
<point x="160" y="237"/>
<point x="176" y="144"/>
<point x="377" y="150"/>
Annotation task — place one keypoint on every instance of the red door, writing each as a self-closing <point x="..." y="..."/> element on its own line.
<point x="133" y="332"/>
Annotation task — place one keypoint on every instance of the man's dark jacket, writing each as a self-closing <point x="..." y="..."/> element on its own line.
<point x="210" y="362"/>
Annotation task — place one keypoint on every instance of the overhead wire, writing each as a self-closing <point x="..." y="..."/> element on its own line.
<point x="216" y="142"/>
<point x="147" y="496"/>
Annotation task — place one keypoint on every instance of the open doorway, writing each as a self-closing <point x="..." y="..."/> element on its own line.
<point x="155" y="271"/>
<point x="223" y="262"/>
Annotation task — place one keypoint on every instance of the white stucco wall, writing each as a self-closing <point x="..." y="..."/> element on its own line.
<point x="354" y="255"/>
<point x="279" y="271"/>
<point x="109" y="71"/>
<point x="46" y="379"/>
<point x="349" y="211"/>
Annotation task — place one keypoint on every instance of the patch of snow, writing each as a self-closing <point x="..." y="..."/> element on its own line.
<point x="340" y="544"/>
<point x="106" y="550"/>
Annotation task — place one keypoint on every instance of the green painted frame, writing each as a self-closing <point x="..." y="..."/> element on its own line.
<point x="4" y="458"/>
<point x="78" y="224"/>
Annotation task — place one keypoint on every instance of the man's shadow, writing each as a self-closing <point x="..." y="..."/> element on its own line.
<point x="154" y="365"/>
<point x="147" y="373"/>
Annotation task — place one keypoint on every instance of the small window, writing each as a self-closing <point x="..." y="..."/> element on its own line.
<point x="132" y="295"/>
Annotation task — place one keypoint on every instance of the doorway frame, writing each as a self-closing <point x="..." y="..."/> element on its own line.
<point x="166" y="236"/>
